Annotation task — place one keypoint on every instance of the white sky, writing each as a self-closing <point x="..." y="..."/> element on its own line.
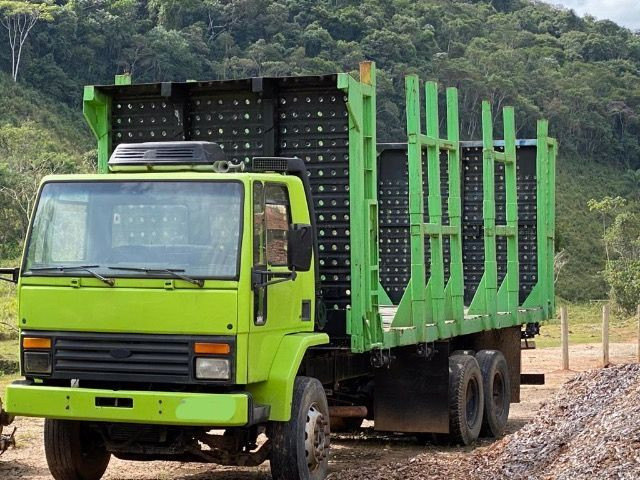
<point x="623" y="12"/>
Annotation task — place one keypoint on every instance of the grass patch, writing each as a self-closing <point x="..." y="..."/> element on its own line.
<point x="8" y="309"/>
<point x="585" y="325"/>
<point x="5" y="380"/>
<point x="8" y="334"/>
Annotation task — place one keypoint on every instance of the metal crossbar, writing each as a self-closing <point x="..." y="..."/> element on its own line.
<point x="434" y="309"/>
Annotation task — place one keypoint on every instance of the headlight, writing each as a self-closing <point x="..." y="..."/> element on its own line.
<point x="213" y="368"/>
<point x="36" y="362"/>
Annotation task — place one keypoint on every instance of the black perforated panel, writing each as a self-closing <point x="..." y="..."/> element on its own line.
<point x="394" y="219"/>
<point x="298" y="116"/>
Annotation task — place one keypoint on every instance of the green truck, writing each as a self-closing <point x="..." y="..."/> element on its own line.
<point x="249" y="270"/>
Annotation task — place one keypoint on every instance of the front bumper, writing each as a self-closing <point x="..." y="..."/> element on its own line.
<point x="163" y="408"/>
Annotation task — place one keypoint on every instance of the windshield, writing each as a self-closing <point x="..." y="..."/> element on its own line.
<point x="191" y="227"/>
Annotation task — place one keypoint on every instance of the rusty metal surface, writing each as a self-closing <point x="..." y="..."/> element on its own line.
<point x="348" y="411"/>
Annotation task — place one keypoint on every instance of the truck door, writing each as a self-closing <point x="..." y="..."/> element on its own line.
<point x="276" y="308"/>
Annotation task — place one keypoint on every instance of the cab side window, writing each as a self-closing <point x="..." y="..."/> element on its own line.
<point x="259" y="229"/>
<point x="277" y="219"/>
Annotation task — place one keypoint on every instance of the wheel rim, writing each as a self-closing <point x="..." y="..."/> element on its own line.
<point x="498" y="394"/>
<point x="316" y="437"/>
<point x="473" y="397"/>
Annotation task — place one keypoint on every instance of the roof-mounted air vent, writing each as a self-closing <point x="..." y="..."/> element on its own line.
<point x="151" y="154"/>
<point x="270" y="164"/>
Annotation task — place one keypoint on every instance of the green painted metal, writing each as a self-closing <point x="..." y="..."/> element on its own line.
<point x="437" y="302"/>
<point x="430" y="310"/>
<point x="162" y="408"/>
<point x="508" y="294"/>
<point x="277" y="390"/>
<point x="491" y="303"/>
<point x="543" y="296"/>
<point x="416" y="294"/>
<point x="454" y="293"/>
<point x="363" y="320"/>
<point x="485" y="300"/>
<point x="96" y="107"/>
<point x="221" y="307"/>
<point x="124" y="79"/>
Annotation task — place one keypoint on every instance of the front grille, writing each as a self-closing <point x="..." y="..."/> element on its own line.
<point x="158" y="357"/>
<point x="126" y="357"/>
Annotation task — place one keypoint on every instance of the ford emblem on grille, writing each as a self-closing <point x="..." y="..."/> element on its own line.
<point x="120" y="353"/>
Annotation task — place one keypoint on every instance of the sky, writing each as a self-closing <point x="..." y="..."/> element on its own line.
<point x="623" y="12"/>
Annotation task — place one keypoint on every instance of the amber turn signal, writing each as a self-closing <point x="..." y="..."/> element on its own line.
<point x="212" y="348"/>
<point x="36" y="343"/>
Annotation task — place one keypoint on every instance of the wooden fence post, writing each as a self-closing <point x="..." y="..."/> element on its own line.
<point x="605" y="335"/>
<point x="564" y="329"/>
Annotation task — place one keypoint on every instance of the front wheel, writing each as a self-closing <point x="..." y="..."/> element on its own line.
<point x="73" y="451"/>
<point x="300" y="447"/>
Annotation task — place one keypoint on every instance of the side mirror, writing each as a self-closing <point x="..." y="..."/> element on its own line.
<point x="14" y="272"/>
<point x="300" y="247"/>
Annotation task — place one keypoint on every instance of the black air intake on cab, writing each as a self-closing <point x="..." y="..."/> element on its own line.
<point x="167" y="153"/>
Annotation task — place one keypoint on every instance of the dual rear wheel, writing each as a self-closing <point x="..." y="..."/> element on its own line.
<point x="479" y="396"/>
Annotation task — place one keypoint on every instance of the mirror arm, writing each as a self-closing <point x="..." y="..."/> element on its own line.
<point x="14" y="272"/>
<point x="279" y="276"/>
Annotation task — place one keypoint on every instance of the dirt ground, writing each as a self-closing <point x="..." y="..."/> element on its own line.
<point x="366" y="448"/>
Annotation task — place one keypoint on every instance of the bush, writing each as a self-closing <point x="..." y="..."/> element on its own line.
<point x="623" y="276"/>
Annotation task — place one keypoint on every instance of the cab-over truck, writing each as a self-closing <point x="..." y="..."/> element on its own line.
<point x="248" y="269"/>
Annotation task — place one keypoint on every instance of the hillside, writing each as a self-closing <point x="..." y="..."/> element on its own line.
<point x="38" y="135"/>
<point x="20" y="104"/>
<point x="582" y="74"/>
<point x="580" y="231"/>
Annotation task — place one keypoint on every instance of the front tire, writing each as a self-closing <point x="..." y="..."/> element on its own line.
<point x="73" y="451"/>
<point x="466" y="399"/>
<point x="300" y="447"/>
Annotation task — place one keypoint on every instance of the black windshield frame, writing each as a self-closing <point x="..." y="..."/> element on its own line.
<point x="115" y="274"/>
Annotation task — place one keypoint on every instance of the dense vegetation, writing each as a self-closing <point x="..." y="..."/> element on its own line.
<point x="582" y="74"/>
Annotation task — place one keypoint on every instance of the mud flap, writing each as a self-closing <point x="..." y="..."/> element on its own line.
<point x="411" y="394"/>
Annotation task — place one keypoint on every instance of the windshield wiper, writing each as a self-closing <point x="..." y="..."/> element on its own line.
<point x="175" y="273"/>
<point x="71" y="268"/>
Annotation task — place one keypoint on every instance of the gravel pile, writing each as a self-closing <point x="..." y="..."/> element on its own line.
<point x="589" y="429"/>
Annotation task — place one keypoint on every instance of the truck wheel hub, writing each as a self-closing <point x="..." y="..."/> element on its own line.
<point x="316" y="437"/>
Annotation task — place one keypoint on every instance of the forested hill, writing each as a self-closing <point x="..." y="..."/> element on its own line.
<point x="582" y="74"/>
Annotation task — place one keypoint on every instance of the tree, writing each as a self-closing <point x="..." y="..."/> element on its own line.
<point x="27" y="153"/>
<point x="19" y="18"/>
<point x="621" y="238"/>
<point x="607" y="208"/>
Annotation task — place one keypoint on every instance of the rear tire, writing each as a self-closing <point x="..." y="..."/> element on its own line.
<point x="300" y="447"/>
<point x="497" y="392"/>
<point x="466" y="399"/>
<point x="73" y="451"/>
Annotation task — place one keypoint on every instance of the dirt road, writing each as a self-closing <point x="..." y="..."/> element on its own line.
<point x="366" y="448"/>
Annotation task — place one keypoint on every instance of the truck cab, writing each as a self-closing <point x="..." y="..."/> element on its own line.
<point x="206" y="267"/>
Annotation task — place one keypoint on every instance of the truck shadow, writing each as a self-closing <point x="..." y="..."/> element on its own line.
<point x="18" y="469"/>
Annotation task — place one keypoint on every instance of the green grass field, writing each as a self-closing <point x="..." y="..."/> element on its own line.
<point x="585" y="325"/>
